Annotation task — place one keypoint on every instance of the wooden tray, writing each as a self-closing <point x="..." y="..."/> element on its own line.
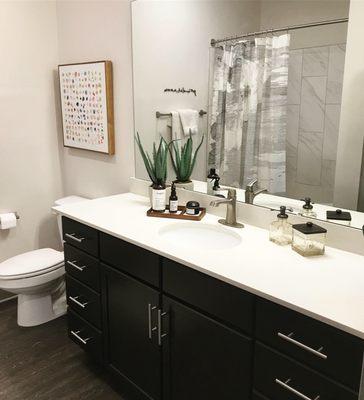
<point x="182" y="215"/>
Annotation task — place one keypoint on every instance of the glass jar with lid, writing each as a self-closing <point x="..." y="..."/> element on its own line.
<point x="309" y="239"/>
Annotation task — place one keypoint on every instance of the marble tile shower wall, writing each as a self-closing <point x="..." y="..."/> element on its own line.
<point x="315" y="80"/>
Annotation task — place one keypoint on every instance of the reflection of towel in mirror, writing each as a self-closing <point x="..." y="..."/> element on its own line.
<point x="176" y="126"/>
<point x="189" y="121"/>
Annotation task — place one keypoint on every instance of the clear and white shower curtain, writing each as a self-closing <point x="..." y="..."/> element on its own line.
<point x="248" y="112"/>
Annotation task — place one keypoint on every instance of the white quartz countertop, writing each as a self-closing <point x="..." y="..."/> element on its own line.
<point x="329" y="288"/>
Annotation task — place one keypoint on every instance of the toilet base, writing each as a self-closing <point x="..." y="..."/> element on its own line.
<point x="37" y="309"/>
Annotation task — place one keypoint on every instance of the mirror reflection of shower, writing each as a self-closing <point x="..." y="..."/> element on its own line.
<point x="275" y="101"/>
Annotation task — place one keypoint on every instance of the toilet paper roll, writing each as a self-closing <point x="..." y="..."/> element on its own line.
<point x="7" y="221"/>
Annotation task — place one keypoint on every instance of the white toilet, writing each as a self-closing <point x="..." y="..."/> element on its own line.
<point x="37" y="277"/>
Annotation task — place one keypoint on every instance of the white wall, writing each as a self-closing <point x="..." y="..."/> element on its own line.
<point x="89" y="31"/>
<point x="30" y="177"/>
<point x="352" y="116"/>
<point x="171" y="41"/>
<point x="282" y="13"/>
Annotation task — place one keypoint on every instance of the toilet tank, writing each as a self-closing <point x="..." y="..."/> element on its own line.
<point x="62" y="202"/>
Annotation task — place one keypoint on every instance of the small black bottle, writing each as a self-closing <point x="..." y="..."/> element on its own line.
<point x="173" y="200"/>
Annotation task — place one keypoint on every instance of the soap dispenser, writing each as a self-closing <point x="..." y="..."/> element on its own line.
<point x="211" y="179"/>
<point x="307" y="208"/>
<point x="280" y="231"/>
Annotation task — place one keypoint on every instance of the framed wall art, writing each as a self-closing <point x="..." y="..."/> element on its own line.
<point x="87" y="106"/>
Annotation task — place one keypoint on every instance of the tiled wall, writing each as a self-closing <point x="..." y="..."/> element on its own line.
<point x="315" y="79"/>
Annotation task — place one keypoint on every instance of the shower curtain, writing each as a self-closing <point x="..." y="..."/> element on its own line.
<point x="248" y="116"/>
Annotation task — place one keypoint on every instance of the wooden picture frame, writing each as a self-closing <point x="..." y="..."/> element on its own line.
<point x="87" y="106"/>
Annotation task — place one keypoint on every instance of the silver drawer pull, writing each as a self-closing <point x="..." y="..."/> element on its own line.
<point x="294" y="391"/>
<point x="79" y="338"/>
<point x="73" y="237"/>
<point x="74" y="265"/>
<point x="150" y="328"/>
<point x="160" y="323"/>
<point x="289" y="338"/>
<point x="76" y="301"/>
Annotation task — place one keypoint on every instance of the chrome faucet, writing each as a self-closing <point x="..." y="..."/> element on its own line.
<point x="230" y="202"/>
<point x="250" y="193"/>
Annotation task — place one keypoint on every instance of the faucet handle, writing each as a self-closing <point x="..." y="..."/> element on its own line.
<point x="251" y="184"/>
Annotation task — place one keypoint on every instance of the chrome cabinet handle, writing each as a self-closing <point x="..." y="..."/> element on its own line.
<point x="76" y="334"/>
<point x="160" y="322"/>
<point x="289" y="338"/>
<point x="74" y="265"/>
<point x="294" y="391"/>
<point x="76" y="301"/>
<point x="150" y="328"/>
<point x="73" y="237"/>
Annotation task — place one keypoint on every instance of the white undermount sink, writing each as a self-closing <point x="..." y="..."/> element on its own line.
<point x="199" y="235"/>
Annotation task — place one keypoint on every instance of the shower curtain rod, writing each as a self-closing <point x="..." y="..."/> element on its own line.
<point x="288" y="28"/>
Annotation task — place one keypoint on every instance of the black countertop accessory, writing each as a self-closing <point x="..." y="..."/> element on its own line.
<point x="308" y="203"/>
<point x="193" y="206"/>
<point x="309" y="228"/>
<point x="282" y="214"/>
<point x="339" y="215"/>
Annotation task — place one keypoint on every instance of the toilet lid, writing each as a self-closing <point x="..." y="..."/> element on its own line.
<point x="31" y="263"/>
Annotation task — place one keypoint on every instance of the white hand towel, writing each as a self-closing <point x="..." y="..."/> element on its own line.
<point x="189" y="120"/>
<point x="176" y="126"/>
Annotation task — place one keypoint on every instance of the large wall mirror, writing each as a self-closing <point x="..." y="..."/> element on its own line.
<point x="268" y="86"/>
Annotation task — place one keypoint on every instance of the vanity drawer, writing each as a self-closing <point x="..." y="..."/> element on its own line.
<point x="322" y="347"/>
<point x="281" y="378"/>
<point x="85" y="335"/>
<point x="217" y="298"/>
<point x="82" y="266"/>
<point x="81" y="236"/>
<point x="129" y="258"/>
<point x="84" y="301"/>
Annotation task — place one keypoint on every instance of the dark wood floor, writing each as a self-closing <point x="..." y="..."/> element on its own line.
<point x="42" y="363"/>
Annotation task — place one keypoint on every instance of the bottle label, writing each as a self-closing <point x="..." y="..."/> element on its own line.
<point x="173" y="205"/>
<point x="159" y="199"/>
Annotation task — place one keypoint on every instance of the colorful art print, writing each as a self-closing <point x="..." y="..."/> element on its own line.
<point x="87" y="106"/>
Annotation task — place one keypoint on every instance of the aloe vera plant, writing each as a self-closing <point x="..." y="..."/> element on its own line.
<point x="183" y="159"/>
<point x="156" y="165"/>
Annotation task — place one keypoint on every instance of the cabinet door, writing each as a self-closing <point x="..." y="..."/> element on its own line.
<point x="203" y="359"/>
<point x="132" y="348"/>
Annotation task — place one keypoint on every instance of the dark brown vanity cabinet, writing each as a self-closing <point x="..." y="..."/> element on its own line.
<point x="132" y="348"/>
<point x="202" y="358"/>
<point x="168" y="332"/>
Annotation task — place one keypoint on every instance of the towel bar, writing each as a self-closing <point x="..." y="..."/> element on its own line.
<point x="159" y="114"/>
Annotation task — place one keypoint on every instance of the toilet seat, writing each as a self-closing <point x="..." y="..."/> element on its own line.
<point x="32" y="263"/>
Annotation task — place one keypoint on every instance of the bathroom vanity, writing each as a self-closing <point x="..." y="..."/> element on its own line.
<point x="175" y="323"/>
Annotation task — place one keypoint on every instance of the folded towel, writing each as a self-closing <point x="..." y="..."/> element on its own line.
<point x="176" y="126"/>
<point x="189" y="120"/>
